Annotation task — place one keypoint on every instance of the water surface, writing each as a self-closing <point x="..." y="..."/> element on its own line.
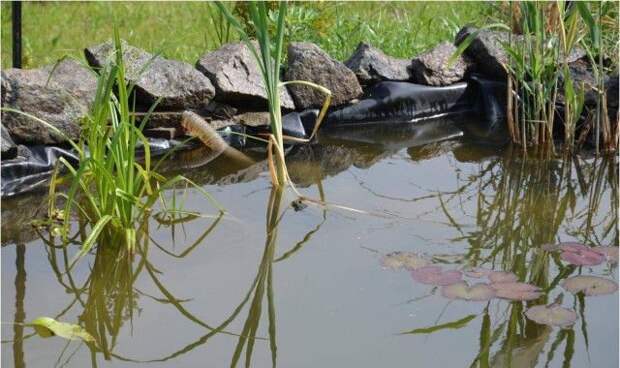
<point x="310" y="285"/>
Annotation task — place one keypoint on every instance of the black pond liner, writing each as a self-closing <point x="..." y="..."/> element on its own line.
<point x="384" y="104"/>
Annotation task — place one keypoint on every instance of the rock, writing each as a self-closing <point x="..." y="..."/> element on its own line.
<point x="9" y="149"/>
<point x="431" y="68"/>
<point x="486" y="51"/>
<point x="178" y="84"/>
<point x="61" y="100"/>
<point x="237" y="78"/>
<point x="371" y="65"/>
<point x="306" y="61"/>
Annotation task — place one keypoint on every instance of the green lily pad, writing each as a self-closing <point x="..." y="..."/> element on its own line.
<point x="47" y="327"/>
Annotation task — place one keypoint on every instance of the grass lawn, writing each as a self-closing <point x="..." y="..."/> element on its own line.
<point x="184" y="30"/>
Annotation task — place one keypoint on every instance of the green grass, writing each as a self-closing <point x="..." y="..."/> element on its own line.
<point x="181" y="30"/>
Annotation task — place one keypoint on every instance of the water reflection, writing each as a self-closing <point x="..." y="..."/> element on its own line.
<point x="503" y="209"/>
<point x="521" y="205"/>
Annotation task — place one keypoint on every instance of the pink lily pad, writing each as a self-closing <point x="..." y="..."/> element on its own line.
<point x="500" y="276"/>
<point x="554" y="315"/>
<point x="611" y="253"/>
<point x="589" y="285"/>
<point x="462" y="290"/>
<point x="550" y="247"/>
<point x="516" y="291"/>
<point x="477" y="272"/>
<point x="408" y="260"/>
<point x="580" y="255"/>
<point x="434" y="275"/>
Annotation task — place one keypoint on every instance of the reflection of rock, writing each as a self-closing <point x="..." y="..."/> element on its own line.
<point x="17" y="215"/>
<point x="525" y="351"/>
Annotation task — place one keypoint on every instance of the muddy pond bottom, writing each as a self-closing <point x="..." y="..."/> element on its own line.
<point x="274" y="282"/>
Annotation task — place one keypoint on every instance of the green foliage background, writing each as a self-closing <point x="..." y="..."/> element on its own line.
<point x="184" y="30"/>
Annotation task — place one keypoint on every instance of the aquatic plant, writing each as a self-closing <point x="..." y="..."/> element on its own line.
<point x="540" y="76"/>
<point x="269" y="57"/>
<point x="112" y="188"/>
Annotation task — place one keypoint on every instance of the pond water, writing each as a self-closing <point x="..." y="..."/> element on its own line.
<point x="311" y="288"/>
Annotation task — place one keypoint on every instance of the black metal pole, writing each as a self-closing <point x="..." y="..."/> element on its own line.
<point x="16" y="22"/>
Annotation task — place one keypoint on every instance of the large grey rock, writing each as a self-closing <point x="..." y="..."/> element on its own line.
<point x="178" y="84"/>
<point x="371" y="65"/>
<point x="306" y="61"/>
<point x="237" y="78"/>
<point x="432" y="67"/>
<point x="8" y="147"/>
<point x="486" y="51"/>
<point x="61" y="100"/>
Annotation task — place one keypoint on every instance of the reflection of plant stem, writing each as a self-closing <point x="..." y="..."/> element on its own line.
<point x="20" y="314"/>
<point x="264" y="280"/>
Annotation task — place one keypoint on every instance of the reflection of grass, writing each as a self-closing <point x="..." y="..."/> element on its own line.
<point x="520" y="206"/>
<point x="182" y="30"/>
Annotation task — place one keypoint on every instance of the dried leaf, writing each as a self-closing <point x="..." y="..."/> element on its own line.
<point x="462" y="290"/>
<point x="589" y="285"/>
<point x="434" y="275"/>
<point x="500" y="276"/>
<point x="553" y="315"/>
<point x="516" y="291"/>
<point x="408" y="260"/>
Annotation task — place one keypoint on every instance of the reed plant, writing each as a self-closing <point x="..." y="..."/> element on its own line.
<point x="268" y="55"/>
<point x="539" y="72"/>
<point x="111" y="188"/>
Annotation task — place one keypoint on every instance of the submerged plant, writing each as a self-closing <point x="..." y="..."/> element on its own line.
<point x="268" y="57"/>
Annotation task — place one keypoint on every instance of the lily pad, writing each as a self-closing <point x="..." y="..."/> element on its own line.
<point x="408" y="260"/>
<point x="580" y="255"/>
<point x="477" y="272"/>
<point x="589" y="285"/>
<point x="434" y="275"/>
<point x="47" y="327"/>
<point x="553" y="315"/>
<point x="550" y="247"/>
<point x="611" y="253"/>
<point x="462" y="290"/>
<point x="516" y="291"/>
<point x="501" y="276"/>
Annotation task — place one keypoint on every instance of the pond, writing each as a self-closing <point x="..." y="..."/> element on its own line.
<point x="277" y="283"/>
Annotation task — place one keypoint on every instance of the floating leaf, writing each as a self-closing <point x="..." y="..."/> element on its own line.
<point x="550" y="247"/>
<point x="516" y="291"/>
<point x="461" y="290"/>
<point x="611" y="253"/>
<point x="553" y="315"/>
<point x="46" y="327"/>
<point x="589" y="285"/>
<point x="500" y="276"/>
<point x="580" y="255"/>
<point x="477" y="272"/>
<point x="409" y="260"/>
<point x="434" y="275"/>
<point x="448" y="258"/>
<point x="450" y="325"/>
